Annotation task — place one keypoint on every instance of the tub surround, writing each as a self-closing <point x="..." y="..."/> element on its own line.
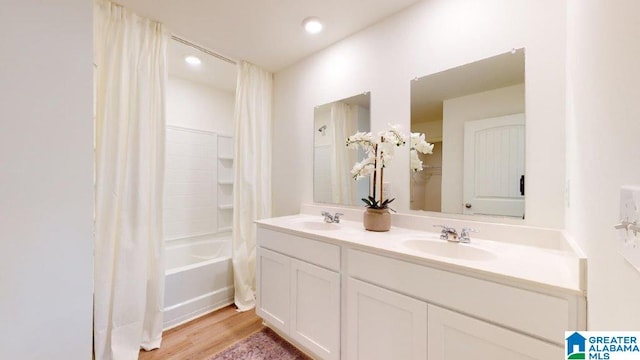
<point x="336" y="290"/>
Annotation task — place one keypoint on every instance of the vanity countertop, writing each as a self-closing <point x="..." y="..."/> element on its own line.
<point x="556" y="269"/>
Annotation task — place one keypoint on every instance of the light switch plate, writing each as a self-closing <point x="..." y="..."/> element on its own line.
<point x="629" y="211"/>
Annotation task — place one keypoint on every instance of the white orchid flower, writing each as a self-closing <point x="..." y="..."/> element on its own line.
<point x="419" y="144"/>
<point x="361" y="139"/>
<point x="387" y="150"/>
<point x="416" y="163"/>
<point x="393" y="135"/>
<point x="364" y="167"/>
<point x="380" y="150"/>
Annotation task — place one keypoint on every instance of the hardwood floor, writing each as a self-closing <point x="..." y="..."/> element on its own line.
<point x="206" y="336"/>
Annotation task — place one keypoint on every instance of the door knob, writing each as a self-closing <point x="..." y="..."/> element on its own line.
<point x="467" y="205"/>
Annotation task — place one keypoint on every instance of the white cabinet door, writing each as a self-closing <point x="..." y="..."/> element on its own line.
<point x="273" y="293"/>
<point x="382" y="324"/>
<point x="453" y="336"/>
<point x="315" y="309"/>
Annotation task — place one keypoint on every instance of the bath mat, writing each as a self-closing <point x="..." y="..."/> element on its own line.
<point x="263" y="345"/>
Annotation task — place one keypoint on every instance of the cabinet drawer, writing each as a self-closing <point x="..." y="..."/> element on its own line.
<point x="538" y="314"/>
<point x="312" y="251"/>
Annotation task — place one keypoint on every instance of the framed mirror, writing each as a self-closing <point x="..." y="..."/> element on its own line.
<point x="332" y="161"/>
<point x="474" y="115"/>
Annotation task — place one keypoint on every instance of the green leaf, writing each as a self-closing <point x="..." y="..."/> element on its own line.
<point x="372" y="202"/>
<point x="386" y="202"/>
<point x="367" y="201"/>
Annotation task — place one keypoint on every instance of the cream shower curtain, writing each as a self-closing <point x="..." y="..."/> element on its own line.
<point x="252" y="184"/>
<point x="344" y="123"/>
<point x="130" y="57"/>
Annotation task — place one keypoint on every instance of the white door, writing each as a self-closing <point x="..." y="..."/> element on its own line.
<point x="384" y="325"/>
<point x="453" y="336"/>
<point x="273" y="295"/>
<point x="315" y="309"/>
<point x="494" y="166"/>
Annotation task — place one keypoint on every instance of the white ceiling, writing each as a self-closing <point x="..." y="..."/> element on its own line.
<point x="428" y="92"/>
<point x="266" y="33"/>
<point x="213" y="72"/>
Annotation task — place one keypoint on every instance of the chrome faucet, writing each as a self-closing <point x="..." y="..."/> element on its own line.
<point x="336" y="217"/>
<point x="628" y="225"/>
<point x="464" y="235"/>
<point x="328" y="218"/>
<point x="448" y="233"/>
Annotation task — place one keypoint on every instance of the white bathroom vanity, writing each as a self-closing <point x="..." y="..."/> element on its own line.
<point x="340" y="292"/>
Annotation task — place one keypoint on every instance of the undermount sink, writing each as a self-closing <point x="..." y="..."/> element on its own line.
<point x="448" y="249"/>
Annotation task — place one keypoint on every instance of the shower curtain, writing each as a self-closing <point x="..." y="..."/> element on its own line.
<point x="343" y="124"/>
<point x="130" y="60"/>
<point x="252" y="184"/>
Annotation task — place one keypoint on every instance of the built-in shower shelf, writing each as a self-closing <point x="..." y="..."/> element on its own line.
<point x="225" y="186"/>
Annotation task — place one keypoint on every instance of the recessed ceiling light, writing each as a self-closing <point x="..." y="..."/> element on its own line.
<point x="312" y="25"/>
<point x="193" y="60"/>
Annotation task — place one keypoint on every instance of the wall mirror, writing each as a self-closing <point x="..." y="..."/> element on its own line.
<point x="474" y="115"/>
<point x="332" y="161"/>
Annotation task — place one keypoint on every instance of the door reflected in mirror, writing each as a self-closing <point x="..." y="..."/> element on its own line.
<point x="475" y="116"/>
<point x="332" y="162"/>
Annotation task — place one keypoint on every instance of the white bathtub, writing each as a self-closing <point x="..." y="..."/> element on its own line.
<point x="199" y="278"/>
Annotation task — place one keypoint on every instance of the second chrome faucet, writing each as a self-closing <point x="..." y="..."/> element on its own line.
<point x="328" y="218"/>
<point x="450" y="234"/>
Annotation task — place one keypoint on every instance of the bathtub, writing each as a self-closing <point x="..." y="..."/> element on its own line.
<point x="199" y="278"/>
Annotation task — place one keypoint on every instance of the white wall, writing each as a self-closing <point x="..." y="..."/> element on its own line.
<point x="198" y="106"/>
<point x="46" y="188"/>
<point x="429" y="37"/>
<point x="603" y="116"/>
<point x="493" y="103"/>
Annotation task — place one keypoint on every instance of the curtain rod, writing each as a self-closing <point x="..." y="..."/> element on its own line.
<point x="206" y="51"/>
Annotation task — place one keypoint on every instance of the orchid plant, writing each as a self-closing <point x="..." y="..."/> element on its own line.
<point x="380" y="150"/>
